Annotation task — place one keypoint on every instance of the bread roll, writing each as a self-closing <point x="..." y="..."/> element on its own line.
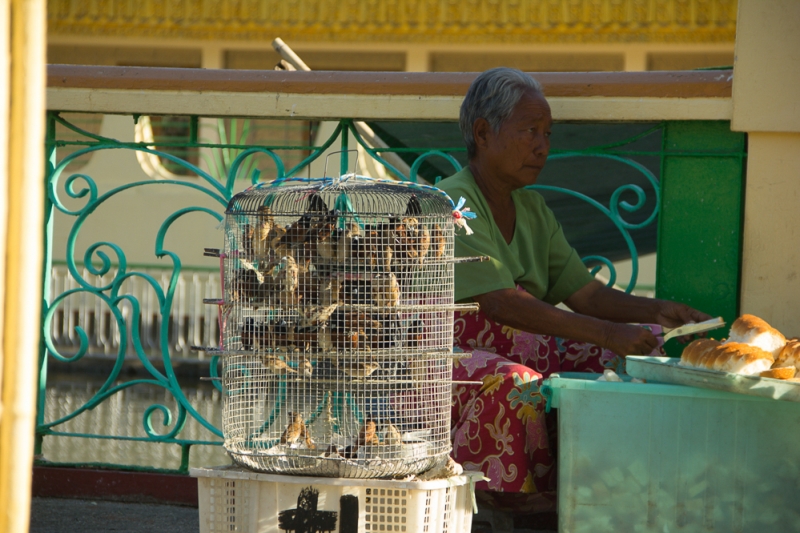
<point x="696" y="350"/>
<point x="786" y="372"/>
<point x="790" y="355"/>
<point x="732" y="357"/>
<point x="749" y="329"/>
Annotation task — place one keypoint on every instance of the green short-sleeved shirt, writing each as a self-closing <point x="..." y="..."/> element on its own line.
<point x="539" y="258"/>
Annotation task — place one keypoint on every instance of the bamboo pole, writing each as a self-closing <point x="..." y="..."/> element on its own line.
<point x="22" y="183"/>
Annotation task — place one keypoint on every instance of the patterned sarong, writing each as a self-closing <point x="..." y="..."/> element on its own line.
<point x="500" y="428"/>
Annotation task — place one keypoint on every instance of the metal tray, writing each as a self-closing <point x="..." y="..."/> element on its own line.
<point x="667" y="370"/>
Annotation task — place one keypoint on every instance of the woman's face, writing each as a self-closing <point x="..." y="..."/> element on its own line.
<point x="519" y="150"/>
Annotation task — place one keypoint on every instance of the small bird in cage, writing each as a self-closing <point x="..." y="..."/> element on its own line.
<point x="391" y="435"/>
<point x="386" y="290"/>
<point x="348" y="243"/>
<point x="423" y="237"/>
<point x="317" y="315"/>
<point x="255" y="241"/>
<point x="358" y="370"/>
<point x="306" y="367"/>
<point x="276" y="365"/>
<point x="439" y="241"/>
<point x="329" y="291"/>
<point x="328" y="243"/>
<point x="368" y="434"/>
<point x="415" y="239"/>
<point x="413" y="207"/>
<point x="295" y="431"/>
<point x="286" y="272"/>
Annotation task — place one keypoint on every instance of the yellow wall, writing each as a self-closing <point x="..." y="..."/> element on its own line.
<point x="412" y="35"/>
<point x="766" y="104"/>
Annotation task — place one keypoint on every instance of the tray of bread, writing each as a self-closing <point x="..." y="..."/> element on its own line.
<point x="756" y="359"/>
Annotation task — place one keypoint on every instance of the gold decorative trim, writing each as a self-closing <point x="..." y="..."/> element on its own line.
<point x="418" y="21"/>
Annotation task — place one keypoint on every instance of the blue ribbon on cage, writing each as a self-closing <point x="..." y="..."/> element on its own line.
<point x="461" y="213"/>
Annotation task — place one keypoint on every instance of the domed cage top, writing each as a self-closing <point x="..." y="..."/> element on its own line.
<point x="337" y="327"/>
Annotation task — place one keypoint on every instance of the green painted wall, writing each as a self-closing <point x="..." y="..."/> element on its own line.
<point x="700" y="237"/>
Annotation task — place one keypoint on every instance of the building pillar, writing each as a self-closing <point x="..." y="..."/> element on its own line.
<point x="635" y="59"/>
<point x="22" y="119"/>
<point x="417" y="59"/>
<point x="766" y="105"/>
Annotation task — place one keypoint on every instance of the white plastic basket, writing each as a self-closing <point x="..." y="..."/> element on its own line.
<point x="235" y="499"/>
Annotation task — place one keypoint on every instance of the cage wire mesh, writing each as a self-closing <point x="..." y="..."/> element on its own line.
<point x="337" y="328"/>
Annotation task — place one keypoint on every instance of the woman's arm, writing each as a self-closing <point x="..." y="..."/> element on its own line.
<point x="520" y="310"/>
<point x="597" y="300"/>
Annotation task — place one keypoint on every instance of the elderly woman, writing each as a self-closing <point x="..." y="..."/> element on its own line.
<point x="520" y="336"/>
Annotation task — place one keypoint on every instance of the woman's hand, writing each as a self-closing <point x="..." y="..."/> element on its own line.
<point x="627" y="339"/>
<point x="674" y="314"/>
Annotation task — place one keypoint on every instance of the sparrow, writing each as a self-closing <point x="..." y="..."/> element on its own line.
<point x="367" y="435"/>
<point x="276" y="365"/>
<point x="316" y="204"/>
<point x="247" y="284"/>
<point x="260" y="240"/>
<point x="386" y="290"/>
<point x="391" y="436"/>
<point x="358" y="370"/>
<point x="332" y="451"/>
<point x="347" y="242"/>
<point x="329" y="291"/>
<point x="406" y="231"/>
<point x="297" y="231"/>
<point x="295" y="431"/>
<point x="328" y="243"/>
<point x="306" y="366"/>
<point x="287" y="272"/>
<point x="413" y="207"/>
<point x="439" y="241"/>
<point x="423" y="237"/>
<point x="309" y="441"/>
<point x="275" y="237"/>
<point x="317" y="315"/>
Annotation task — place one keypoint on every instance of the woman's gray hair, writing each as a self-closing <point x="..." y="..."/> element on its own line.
<point x="492" y="96"/>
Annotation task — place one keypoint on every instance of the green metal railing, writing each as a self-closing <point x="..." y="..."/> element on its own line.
<point x="659" y="158"/>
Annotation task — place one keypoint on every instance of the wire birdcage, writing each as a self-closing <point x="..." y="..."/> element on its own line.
<point x="337" y="327"/>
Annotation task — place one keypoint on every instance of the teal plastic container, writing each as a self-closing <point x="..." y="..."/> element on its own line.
<point x="669" y="458"/>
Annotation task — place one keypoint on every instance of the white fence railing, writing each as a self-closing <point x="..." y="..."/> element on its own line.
<point x="190" y="322"/>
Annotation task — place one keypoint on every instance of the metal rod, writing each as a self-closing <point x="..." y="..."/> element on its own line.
<point x="371" y="138"/>
<point x="477" y="259"/>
